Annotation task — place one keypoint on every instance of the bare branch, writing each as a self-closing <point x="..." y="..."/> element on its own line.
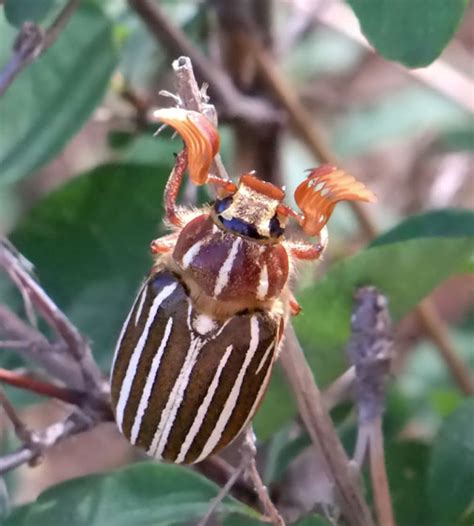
<point x="75" y="344"/>
<point x="232" y="103"/>
<point x="322" y="432"/>
<point x="33" y="346"/>
<point x="31" y="43"/>
<point x="75" y="423"/>
<point x="21" y="431"/>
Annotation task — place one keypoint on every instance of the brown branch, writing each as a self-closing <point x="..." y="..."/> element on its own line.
<point x="378" y="474"/>
<point x="308" y="130"/>
<point x="322" y="432"/>
<point x="27" y="383"/>
<point x="75" y="344"/>
<point x="31" y="42"/>
<point x="42" y="440"/>
<point x="32" y="345"/>
<point x="439" y="333"/>
<point x="21" y="431"/>
<point x="231" y="102"/>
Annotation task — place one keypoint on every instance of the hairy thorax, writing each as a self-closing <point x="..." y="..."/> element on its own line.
<point x="226" y="273"/>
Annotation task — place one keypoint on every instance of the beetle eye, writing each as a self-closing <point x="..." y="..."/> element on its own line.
<point x="222" y="204"/>
<point x="276" y="229"/>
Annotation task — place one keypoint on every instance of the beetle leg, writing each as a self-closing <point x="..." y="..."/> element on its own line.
<point x="164" y="244"/>
<point x="225" y="187"/>
<point x="173" y="186"/>
<point x="295" y="307"/>
<point x="309" y="251"/>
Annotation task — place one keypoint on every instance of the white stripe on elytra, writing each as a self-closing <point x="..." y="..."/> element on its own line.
<point x="135" y="358"/>
<point x="202" y="411"/>
<point x="191" y="253"/>
<point x="145" y="398"/>
<point x="263" y="284"/>
<point x="231" y="401"/>
<point x="123" y="331"/>
<point x="265" y="356"/>
<point x="175" y="399"/>
<point x="140" y="305"/>
<point x="261" y="392"/>
<point x="224" y="272"/>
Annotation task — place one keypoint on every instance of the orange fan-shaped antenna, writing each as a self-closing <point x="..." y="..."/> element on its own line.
<point x="200" y="137"/>
<point x="319" y="193"/>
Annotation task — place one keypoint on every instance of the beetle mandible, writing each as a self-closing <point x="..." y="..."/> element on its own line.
<point x="197" y="349"/>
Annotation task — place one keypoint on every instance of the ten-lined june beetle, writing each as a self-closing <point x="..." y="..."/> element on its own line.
<point x="197" y="350"/>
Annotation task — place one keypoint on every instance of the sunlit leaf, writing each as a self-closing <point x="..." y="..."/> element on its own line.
<point x="51" y="99"/>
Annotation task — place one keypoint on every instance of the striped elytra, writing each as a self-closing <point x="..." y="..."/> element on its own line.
<point x="183" y="383"/>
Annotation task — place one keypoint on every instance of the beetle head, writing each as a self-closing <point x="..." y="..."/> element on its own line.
<point x="252" y="210"/>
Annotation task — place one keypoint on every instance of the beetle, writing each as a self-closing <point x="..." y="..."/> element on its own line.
<point x="197" y="349"/>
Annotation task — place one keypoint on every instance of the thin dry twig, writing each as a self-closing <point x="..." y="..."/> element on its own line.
<point x="435" y="327"/>
<point x="76" y="422"/>
<point x="249" y="454"/>
<point x="247" y="469"/>
<point x="76" y="345"/>
<point x="31" y="42"/>
<point x="322" y="432"/>
<point x="370" y="350"/>
<point x="69" y="359"/>
<point x="19" y="427"/>
<point x="232" y="103"/>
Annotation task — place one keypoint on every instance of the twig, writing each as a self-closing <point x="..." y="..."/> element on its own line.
<point x="371" y="350"/>
<point x="32" y="42"/>
<point x="224" y="491"/>
<point x="249" y="453"/>
<point x="220" y="471"/>
<point x="438" y="332"/>
<point x="21" y="431"/>
<point x="231" y="102"/>
<point x="378" y="474"/>
<point x="42" y="440"/>
<point x="339" y="390"/>
<point x="76" y="345"/>
<point x="433" y="324"/>
<point x="32" y="345"/>
<point x="194" y="98"/>
<point x="248" y="469"/>
<point x="22" y="381"/>
<point x="322" y="432"/>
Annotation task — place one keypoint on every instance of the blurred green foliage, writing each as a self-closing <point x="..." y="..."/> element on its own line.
<point x="88" y="240"/>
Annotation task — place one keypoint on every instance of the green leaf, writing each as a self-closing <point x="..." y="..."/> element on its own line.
<point x="411" y="32"/>
<point x="405" y="271"/>
<point x="407" y="465"/>
<point x="395" y="117"/>
<point x="19" y="11"/>
<point x="445" y="223"/>
<point x="426" y="385"/>
<point x="143" y="494"/>
<point x="451" y="472"/>
<point x="51" y="99"/>
<point x="89" y="243"/>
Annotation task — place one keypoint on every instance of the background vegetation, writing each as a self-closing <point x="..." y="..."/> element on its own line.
<point x="81" y="183"/>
